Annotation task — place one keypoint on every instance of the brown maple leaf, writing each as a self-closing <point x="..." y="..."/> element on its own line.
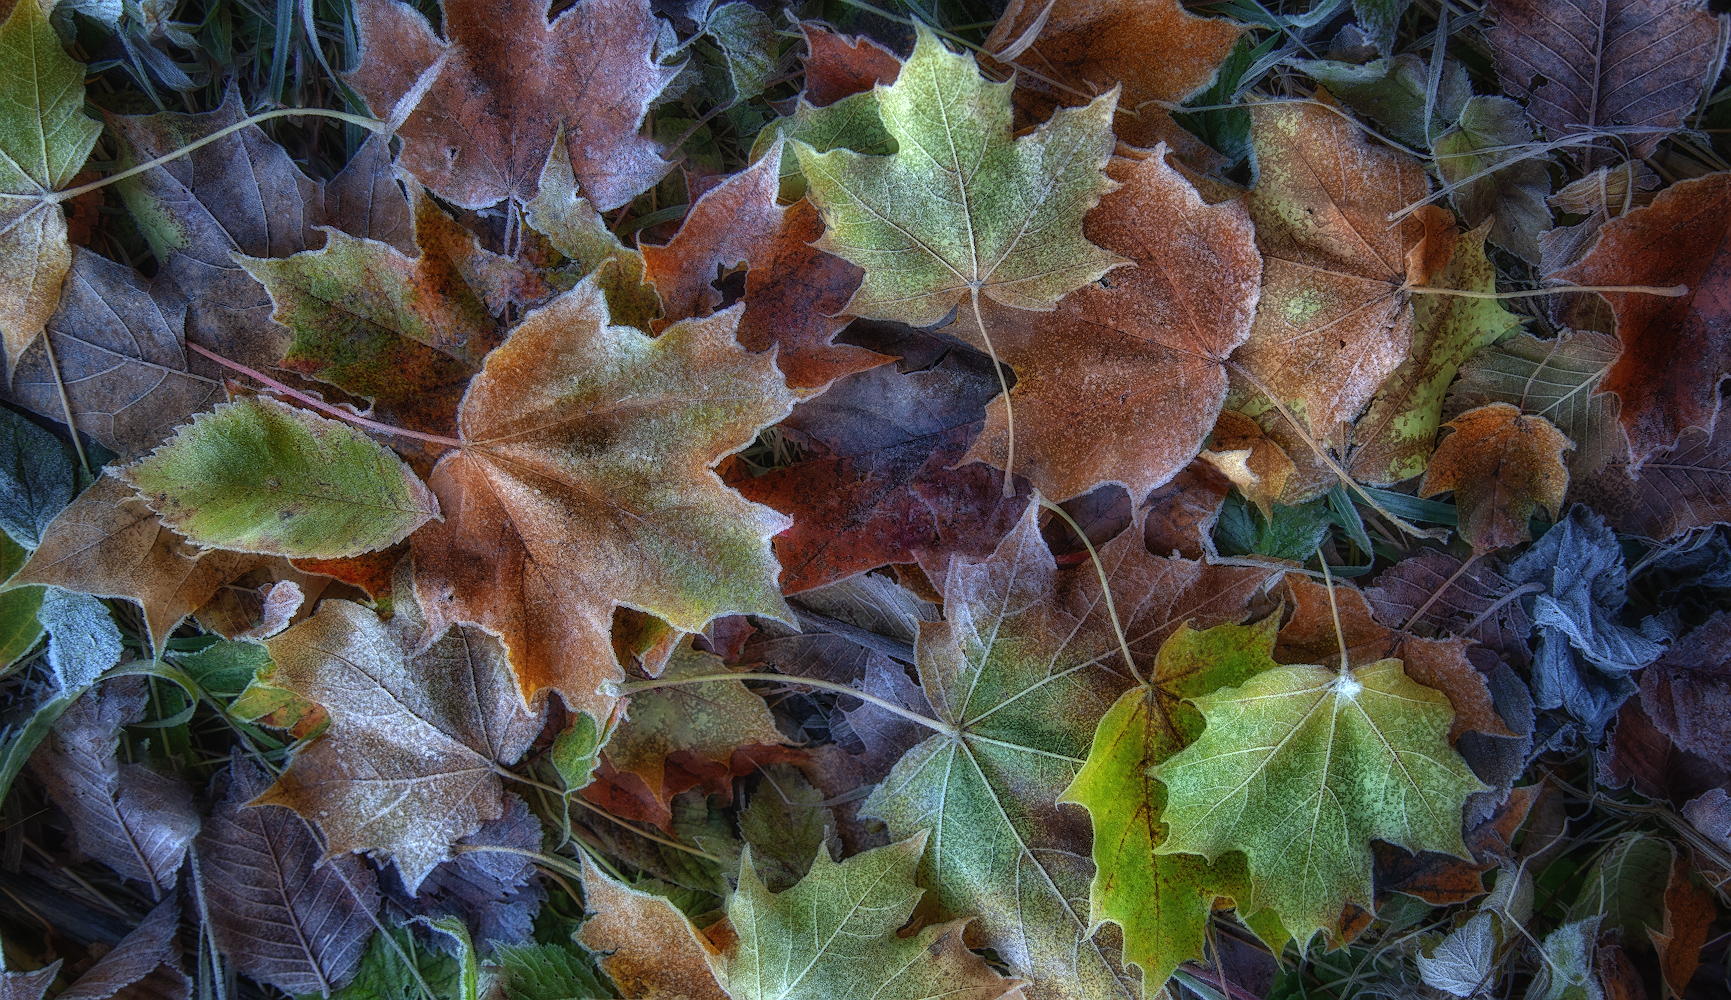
<point x="838" y="66"/>
<point x="509" y="81"/>
<point x="1675" y="352"/>
<point x="1500" y="463"/>
<point x="1122" y="381"/>
<point x="733" y="223"/>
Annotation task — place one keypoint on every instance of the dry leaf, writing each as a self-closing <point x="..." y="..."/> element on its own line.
<point x="1500" y="464"/>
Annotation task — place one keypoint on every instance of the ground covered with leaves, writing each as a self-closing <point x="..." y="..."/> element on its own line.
<point x="727" y="500"/>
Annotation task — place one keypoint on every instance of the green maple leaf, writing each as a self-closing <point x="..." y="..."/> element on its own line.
<point x="1300" y="767"/>
<point x="962" y="209"/>
<point x="1023" y="666"/>
<point x="833" y="936"/>
<point x="1162" y="901"/>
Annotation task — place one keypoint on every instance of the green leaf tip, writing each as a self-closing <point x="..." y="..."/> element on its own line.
<point x="257" y="475"/>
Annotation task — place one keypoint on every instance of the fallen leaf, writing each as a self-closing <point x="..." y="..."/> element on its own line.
<point x="747" y="40"/>
<point x="257" y="475"/>
<point x="44" y="140"/>
<point x="882" y="490"/>
<point x="1601" y="196"/>
<point x="1239" y="450"/>
<point x="1555" y="379"/>
<point x="576" y="230"/>
<point x="1300" y="767"/>
<point x="1394" y="91"/>
<point x="1120" y="381"/>
<point x="993" y="216"/>
<point x="1021" y="669"/>
<point x="127" y="816"/>
<point x="1162" y="902"/>
<point x="1687" y="692"/>
<point x="733" y="223"/>
<point x="110" y="544"/>
<point x="1631" y="68"/>
<point x="83" y="641"/>
<point x="408" y="767"/>
<point x="1181" y="515"/>
<point x="1500" y="463"/>
<point x="1642" y="757"/>
<point x="145" y="964"/>
<point x="546" y="972"/>
<point x="370" y="571"/>
<point x="1336" y="316"/>
<point x="117" y="339"/>
<point x="507" y="82"/>
<point x="1679" y="489"/>
<point x="278" y="910"/>
<point x="1669" y="372"/>
<point x="1510" y="198"/>
<point x="1393" y="441"/>
<point x="1476" y="602"/>
<point x="495" y="893"/>
<point x="648" y="948"/>
<point x="36" y="479"/>
<point x="708" y="720"/>
<point x="834" y="935"/>
<point x="786" y="824"/>
<point x="585" y="484"/>
<point x="1156" y="50"/>
<point x="1690" y="910"/>
<point x="838" y="66"/>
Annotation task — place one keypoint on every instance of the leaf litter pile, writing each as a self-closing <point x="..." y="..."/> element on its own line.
<point x="1088" y="499"/>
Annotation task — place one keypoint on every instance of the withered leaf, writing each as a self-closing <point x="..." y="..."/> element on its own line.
<point x="1500" y="463"/>
<point x="1479" y="603"/>
<point x="1685" y="487"/>
<point x="127" y="816"/>
<point x="118" y="342"/>
<point x="1687" y="693"/>
<point x="1121" y="382"/>
<point x="837" y="66"/>
<point x="586" y="484"/>
<point x="280" y="915"/>
<point x="732" y="225"/>
<point x="1674" y="355"/>
<point x="495" y="893"/>
<point x="576" y="230"/>
<point x="647" y="947"/>
<point x="508" y="82"/>
<point x="1556" y="379"/>
<point x="408" y="766"/>
<point x="108" y="543"/>
<point x="145" y="965"/>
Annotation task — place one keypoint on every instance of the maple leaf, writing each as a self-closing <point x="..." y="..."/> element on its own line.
<point x="109" y="543"/>
<point x="732" y="225"/>
<point x="1020" y="670"/>
<point x="1163" y="902"/>
<point x="243" y="193"/>
<point x="257" y="475"/>
<point x="577" y="231"/>
<point x="1634" y="67"/>
<point x="883" y="490"/>
<point x="1510" y="198"/>
<point x="508" y="82"/>
<point x="962" y="209"/>
<point x="44" y="140"/>
<point x="117" y="340"/>
<point x="1154" y="49"/>
<point x="410" y="763"/>
<point x="1558" y="380"/>
<point x="1394" y="438"/>
<point x="281" y="912"/>
<point x="644" y="944"/>
<point x="834" y="935"/>
<point x="1120" y="383"/>
<point x="1336" y="316"/>
<point x="1300" y="767"/>
<point x="585" y="484"/>
<point x="127" y="816"/>
<point x="1673" y="360"/>
<point x="1500" y="463"/>
<point x="709" y="720"/>
<point x="838" y="66"/>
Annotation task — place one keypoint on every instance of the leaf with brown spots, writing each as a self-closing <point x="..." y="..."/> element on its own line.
<point x="1119" y="383"/>
<point x="585" y="484"/>
<point x="1500" y="463"/>
<point x="1675" y="352"/>
<point x="509" y="81"/>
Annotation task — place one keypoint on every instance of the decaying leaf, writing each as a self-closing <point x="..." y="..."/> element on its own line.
<point x="1685" y="487"/>
<point x="1500" y="463"/>
<point x="108" y="543"/>
<point x="734" y="224"/>
<point x="644" y="944"/>
<point x="1121" y="381"/>
<point x="837" y="66"/>
<point x="1687" y="693"/>
<point x="1240" y="451"/>
<point x="1556" y="379"/>
<point x="407" y="768"/>
<point x="576" y="230"/>
<point x="260" y="476"/>
<point x="1673" y="358"/>
<point x="586" y="484"/>
<point x="44" y="139"/>
<point x="36" y="480"/>
<point x="276" y="912"/>
<point x="507" y="82"/>
<point x="1476" y="602"/>
<point x="1510" y="198"/>
<point x="962" y="208"/>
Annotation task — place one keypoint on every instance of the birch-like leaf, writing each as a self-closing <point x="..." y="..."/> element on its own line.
<point x="961" y="208"/>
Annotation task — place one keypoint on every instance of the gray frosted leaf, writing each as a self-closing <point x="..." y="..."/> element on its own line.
<point x="35" y="478"/>
<point x="1561" y="680"/>
<point x="83" y="640"/>
<point x="145" y="965"/>
<point x="495" y="893"/>
<point x="277" y="914"/>
<point x="1463" y="963"/>
<point x="1580" y="564"/>
<point x="28" y="985"/>
<point x="128" y="817"/>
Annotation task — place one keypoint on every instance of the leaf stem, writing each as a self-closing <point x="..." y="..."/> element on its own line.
<point x="634" y="687"/>
<point x="372" y="124"/>
<point x="1446" y="584"/>
<point x="676" y="845"/>
<point x="1334" y="609"/>
<point x="1667" y="291"/>
<point x="1009" y="408"/>
<point x="65" y="403"/>
<point x="1105" y="585"/>
<point x="322" y="406"/>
